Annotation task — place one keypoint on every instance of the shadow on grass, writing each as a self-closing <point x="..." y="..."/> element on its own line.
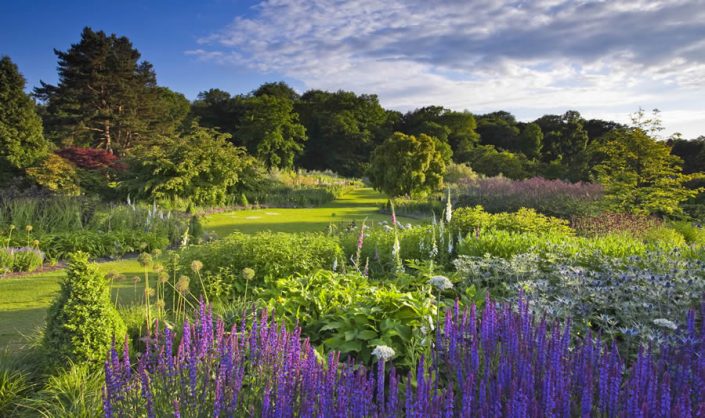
<point x="17" y="326"/>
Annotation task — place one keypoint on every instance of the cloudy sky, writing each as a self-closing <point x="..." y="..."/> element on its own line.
<point x="603" y="58"/>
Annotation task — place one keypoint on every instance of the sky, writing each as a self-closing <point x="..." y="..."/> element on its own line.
<point x="603" y="58"/>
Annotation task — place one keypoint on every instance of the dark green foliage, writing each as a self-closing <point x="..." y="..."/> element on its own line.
<point x="278" y="89"/>
<point x="271" y="131"/>
<point x="691" y="152"/>
<point x="82" y="322"/>
<point x="216" y="109"/>
<point x="487" y="160"/>
<point x="499" y="129"/>
<point x="343" y="129"/>
<point x="105" y="96"/>
<point x="99" y="244"/>
<point x="455" y="128"/>
<point x="565" y="140"/>
<point x="405" y="164"/>
<point x="531" y="140"/>
<point x="200" y="167"/>
<point x="268" y="254"/>
<point x="22" y="142"/>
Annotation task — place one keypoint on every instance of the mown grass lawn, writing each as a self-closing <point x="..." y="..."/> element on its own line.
<point x="24" y="300"/>
<point x="354" y="206"/>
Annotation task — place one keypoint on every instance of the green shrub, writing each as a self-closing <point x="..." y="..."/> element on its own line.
<point x="267" y="253"/>
<point x="692" y="233"/>
<point x="101" y="244"/>
<point x="352" y="314"/>
<point x="82" y="321"/>
<point x="664" y="236"/>
<point x="27" y="259"/>
<point x="524" y="220"/>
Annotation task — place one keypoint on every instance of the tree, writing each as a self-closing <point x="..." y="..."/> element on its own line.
<point x="22" y="143"/>
<point x="216" y="109"/>
<point x="406" y="164"/>
<point x="565" y="140"/>
<point x="499" y="129"/>
<point x="105" y="96"/>
<point x="487" y="160"/>
<point x="455" y="128"/>
<point x="639" y="173"/>
<point x="270" y="130"/>
<point x="172" y="110"/>
<point x="279" y="89"/>
<point x="531" y="140"/>
<point x="343" y="129"/>
<point x="201" y="167"/>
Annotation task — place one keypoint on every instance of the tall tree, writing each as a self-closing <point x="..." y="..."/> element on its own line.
<point x="22" y="142"/>
<point x="105" y="96"/>
<point x="216" y="109"/>
<point x="565" y="140"/>
<point x="531" y="140"/>
<point x="455" y="128"/>
<point x="343" y="129"/>
<point x="406" y="164"/>
<point x="270" y="130"/>
<point x="499" y="129"/>
<point x="278" y="89"/>
<point x="640" y="174"/>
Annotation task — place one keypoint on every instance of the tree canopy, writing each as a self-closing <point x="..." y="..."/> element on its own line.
<point x="408" y="164"/>
<point x="106" y="97"/>
<point x="22" y="142"/>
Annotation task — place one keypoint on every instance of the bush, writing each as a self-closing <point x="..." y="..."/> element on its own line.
<point x="101" y="244"/>
<point x="524" y="220"/>
<point x="82" y="321"/>
<point x="693" y="233"/>
<point x="268" y="254"/>
<point x="27" y="259"/>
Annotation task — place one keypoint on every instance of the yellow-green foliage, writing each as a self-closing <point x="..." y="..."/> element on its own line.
<point x="56" y="174"/>
<point x="82" y="321"/>
<point x="524" y="220"/>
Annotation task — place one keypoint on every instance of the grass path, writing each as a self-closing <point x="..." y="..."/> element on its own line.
<point x="356" y="205"/>
<point x="24" y="300"/>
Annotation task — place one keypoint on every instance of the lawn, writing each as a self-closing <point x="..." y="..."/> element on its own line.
<point x="354" y="206"/>
<point x="24" y="300"/>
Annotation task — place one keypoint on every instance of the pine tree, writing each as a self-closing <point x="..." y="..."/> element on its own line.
<point x="106" y="97"/>
<point x="22" y="142"/>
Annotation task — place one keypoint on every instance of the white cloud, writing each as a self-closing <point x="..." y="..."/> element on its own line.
<point x="599" y="57"/>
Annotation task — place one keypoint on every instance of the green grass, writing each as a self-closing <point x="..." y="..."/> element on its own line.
<point x="24" y="300"/>
<point x="354" y="206"/>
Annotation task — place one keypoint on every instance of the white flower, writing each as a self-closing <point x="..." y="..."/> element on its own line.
<point x="387" y="228"/>
<point x="665" y="323"/>
<point x="383" y="352"/>
<point x="440" y="282"/>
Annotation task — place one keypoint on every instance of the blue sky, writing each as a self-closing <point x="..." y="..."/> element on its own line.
<point x="603" y="58"/>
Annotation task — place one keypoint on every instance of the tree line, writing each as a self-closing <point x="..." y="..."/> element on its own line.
<point x="107" y="121"/>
